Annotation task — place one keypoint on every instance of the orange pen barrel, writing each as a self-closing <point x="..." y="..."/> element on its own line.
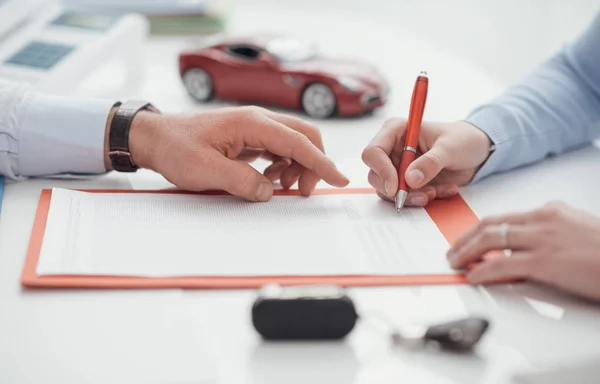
<point x="406" y="158"/>
<point x="415" y="115"/>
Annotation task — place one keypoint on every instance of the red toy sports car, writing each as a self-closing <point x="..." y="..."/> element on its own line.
<point x="284" y="72"/>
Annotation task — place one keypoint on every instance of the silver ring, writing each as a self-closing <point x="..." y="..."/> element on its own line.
<point x="503" y="232"/>
<point x="410" y="149"/>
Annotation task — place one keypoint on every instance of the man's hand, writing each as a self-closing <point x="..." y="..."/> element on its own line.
<point x="211" y="150"/>
<point x="557" y="245"/>
<point x="449" y="155"/>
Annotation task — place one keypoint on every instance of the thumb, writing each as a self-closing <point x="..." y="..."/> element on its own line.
<point x="240" y="179"/>
<point x="428" y="166"/>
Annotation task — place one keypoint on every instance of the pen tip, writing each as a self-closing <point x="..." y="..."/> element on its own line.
<point x="423" y="74"/>
<point x="400" y="199"/>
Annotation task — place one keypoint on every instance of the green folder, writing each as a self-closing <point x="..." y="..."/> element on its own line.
<point x="186" y="24"/>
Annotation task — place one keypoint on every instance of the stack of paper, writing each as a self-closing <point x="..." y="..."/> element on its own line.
<point x="165" y="16"/>
<point x="147" y="7"/>
<point x="160" y="235"/>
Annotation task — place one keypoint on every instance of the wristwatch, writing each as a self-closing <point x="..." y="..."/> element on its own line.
<point x="118" y="136"/>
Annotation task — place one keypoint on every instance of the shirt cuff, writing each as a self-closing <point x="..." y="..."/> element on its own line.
<point x="62" y="135"/>
<point x="491" y="119"/>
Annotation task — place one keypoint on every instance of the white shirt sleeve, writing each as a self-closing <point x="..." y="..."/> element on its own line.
<point x="45" y="135"/>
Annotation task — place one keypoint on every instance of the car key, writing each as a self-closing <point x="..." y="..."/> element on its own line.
<point x="457" y="335"/>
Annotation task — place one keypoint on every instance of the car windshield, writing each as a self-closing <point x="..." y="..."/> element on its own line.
<point x="291" y="50"/>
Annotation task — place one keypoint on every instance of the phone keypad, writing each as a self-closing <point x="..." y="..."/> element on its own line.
<point x="40" y="55"/>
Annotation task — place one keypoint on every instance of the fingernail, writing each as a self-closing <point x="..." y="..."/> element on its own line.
<point x="279" y="166"/>
<point x="415" y="177"/>
<point x="271" y="175"/>
<point x="430" y="192"/>
<point x="264" y="191"/>
<point x="388" y="189"/>
<point x="417" y="201"/>
<point x="454" y="260"/>
<point x="450" y="191"/>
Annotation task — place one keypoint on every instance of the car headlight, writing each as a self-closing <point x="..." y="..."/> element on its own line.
<point x="350" y="83"/>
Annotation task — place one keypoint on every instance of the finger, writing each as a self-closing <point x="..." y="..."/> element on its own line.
<point x="381" y="166"/>
<point x="422" y="197"/>
<point x="240" y="179"/>
<point x="308" y="179"/>
<point x="389" y="136"/>
<point x="444" y="191"/>
<point x="418" y="197"/>
<point x="427" y="166"/>
<point x="298" y="125"/>
<point x="518" y="237"/>
<point x="377" y="155"/>
<point x="273" y="172"/>
<point x="266" y="155"/>
<point x="307" y="182"/>
<point x="384" y="197"/>
<point x="377" y="183"/>
<point x="249" y="154"/>
<point x="415" y="198"/>
<point x="291" y="175"/>
<point x="509" y="218"/>
<point x="501" y="269"/>
<point x="292" y="143"/>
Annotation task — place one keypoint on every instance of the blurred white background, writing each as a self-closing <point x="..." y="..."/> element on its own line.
<point x="497" y="40"/>
<point x="503" y="38"/>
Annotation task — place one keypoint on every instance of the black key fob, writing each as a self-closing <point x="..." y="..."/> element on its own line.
<point x="458" y="335"/>
<point x="303" y="313"/>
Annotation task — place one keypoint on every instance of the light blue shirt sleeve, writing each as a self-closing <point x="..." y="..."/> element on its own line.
<point x="554" y="109"/>
<point x="45" y="135"/>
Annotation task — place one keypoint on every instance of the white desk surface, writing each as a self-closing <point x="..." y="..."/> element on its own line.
<point x="144" y="336"/>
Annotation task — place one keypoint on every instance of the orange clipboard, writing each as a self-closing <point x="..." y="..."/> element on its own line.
<point x="452" y="216"/>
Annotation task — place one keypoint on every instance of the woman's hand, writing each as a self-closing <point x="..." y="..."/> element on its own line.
<point x="211" y="150"/>
<point x="557" y="245"/>
<point x="449" y="155"/>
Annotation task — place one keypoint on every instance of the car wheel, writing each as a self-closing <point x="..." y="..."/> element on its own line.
<point x="199" y="84"/>
<point x="318" y="101"/>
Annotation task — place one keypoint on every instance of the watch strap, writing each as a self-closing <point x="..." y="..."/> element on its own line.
<point x="118" y="139"/>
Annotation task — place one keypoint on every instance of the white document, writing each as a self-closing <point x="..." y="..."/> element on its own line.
<point x="133" y="234"/>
